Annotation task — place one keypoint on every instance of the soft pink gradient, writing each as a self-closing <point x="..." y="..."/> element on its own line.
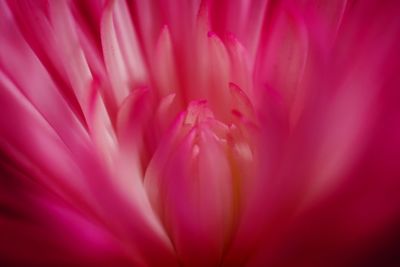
<point x="200" y="133"/>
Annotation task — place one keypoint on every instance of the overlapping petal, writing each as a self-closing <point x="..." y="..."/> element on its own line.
<point x="199" y="133"/>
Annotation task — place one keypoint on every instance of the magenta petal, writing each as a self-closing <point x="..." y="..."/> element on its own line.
<point x="193" y="201"/>
<point x="199" y="133"/>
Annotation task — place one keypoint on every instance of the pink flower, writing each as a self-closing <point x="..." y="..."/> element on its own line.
<point x="199" y="133"/>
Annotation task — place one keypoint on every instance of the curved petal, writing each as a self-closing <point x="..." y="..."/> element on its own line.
<point x="192" y="190"/>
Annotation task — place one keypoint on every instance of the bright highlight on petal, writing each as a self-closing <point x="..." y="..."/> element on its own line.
<point x="199" y="133"/>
